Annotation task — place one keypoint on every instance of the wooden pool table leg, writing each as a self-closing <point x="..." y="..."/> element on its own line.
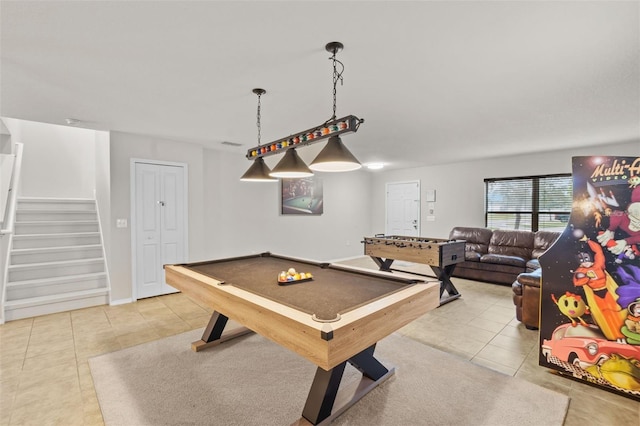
<point x="323" y="393"/>
<point x="213" y="333"/>
<point x="324" y="390"/>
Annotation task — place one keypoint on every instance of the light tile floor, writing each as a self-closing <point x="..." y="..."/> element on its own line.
<point x="45" y="377"/>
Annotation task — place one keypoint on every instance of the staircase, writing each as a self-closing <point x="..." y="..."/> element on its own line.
<point x="56" y="260"/>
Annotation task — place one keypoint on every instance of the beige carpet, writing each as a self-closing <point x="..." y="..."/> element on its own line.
<point x="252" y="381"/>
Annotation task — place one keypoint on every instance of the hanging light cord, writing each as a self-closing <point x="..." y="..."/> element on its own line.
<point x="258" y="118"/>
<point x="337" y="76"/>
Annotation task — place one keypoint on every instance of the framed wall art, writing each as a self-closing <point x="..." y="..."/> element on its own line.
<point x="301" y="196"/>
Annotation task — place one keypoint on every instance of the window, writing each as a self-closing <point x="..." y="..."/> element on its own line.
<point x="529" y="203"/>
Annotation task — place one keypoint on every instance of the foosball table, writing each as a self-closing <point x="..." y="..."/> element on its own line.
<point x="440" y="254"/>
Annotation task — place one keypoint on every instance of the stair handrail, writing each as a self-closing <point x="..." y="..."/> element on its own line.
<point x="10" y="212"/>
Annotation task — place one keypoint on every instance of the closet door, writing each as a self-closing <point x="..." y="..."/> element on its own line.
<point x="160" y="225"/>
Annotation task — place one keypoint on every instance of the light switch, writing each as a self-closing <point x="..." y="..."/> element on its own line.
<point x="121" y="223"/>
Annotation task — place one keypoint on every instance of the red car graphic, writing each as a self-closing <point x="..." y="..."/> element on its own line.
<point x="584" y="346"/>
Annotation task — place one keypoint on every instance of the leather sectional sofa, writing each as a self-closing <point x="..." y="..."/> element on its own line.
<point x="526" y="298"/>
<point x="499" y="256"/>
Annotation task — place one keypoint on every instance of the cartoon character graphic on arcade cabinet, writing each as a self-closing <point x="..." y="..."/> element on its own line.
<point x="600" y="290"/>
<point x="631" y="328"/>
<point x="622" y="372"/>
<point x="627" y="223"/>
<point x="572" y="306"/>
<point x="599" y="203"/>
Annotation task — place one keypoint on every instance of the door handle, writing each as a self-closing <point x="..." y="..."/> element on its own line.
<point x="161" y="203"/>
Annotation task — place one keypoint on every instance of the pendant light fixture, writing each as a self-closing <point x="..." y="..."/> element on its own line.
<point x="259" y="171"/>
<point x="291" y="166"/>
<point x="335" y="157"/>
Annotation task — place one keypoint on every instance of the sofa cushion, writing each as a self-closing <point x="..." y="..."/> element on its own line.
<point x="532" y="265"/>
<point x="531" y="279"/>
<point x="511" y="243"/>
<point x="542" y="240"/>
<point x="504" y="260"/>
<point x="477" y="239"/>
<point x="488" y="272"/>
<point x="472" y="256"/>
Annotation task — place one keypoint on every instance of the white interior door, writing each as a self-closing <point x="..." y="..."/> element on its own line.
<point x="403" y="209"/>
<point x="160" y="225"/>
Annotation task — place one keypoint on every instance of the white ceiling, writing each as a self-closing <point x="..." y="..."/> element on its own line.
<point x="436" y="82"/>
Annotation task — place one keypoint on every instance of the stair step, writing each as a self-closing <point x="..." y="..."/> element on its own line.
<point x="54" y="254"/>
<point x="41" y="215"/>
<point x="56" y="204"/>
<point x="34" y="271"/>
<point x="56" y="285"/>
<point x="26" y="241"/>
<point x="56" y="258"/>
<point x="56" y="227"/>
<point x="44" y="305"/>
<point x="54" y="280"/>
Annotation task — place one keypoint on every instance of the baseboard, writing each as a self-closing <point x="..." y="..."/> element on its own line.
<point x="120" y="302"/>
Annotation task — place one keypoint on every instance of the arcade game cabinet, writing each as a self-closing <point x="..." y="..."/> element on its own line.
<point x="590" y="300"/>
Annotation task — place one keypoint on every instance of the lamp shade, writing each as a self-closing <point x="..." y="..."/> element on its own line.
<point x="335" y="157"/>
<point x="291" y="166"/>
<point x="258" y="172"/>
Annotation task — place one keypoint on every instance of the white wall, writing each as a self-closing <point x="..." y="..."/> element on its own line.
<point x="460" y="186"/>
<point x="58" y="161"/>
<point x="244" y="217"/>
<point x="125" y="147"/>
<point x="5" y="148"/>
<point x="5" y="139"/>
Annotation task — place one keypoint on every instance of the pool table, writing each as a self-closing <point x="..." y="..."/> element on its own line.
<point x="304" y="204"/>
<point x="336" y="317"/>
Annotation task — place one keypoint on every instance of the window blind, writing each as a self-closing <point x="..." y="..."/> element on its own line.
<point x="529" y="203"/>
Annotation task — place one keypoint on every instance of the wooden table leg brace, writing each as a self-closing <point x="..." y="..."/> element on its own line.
<point x="324" y="390"/>
<point x="326" y="384"/>
<point x="213" y="333"/>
